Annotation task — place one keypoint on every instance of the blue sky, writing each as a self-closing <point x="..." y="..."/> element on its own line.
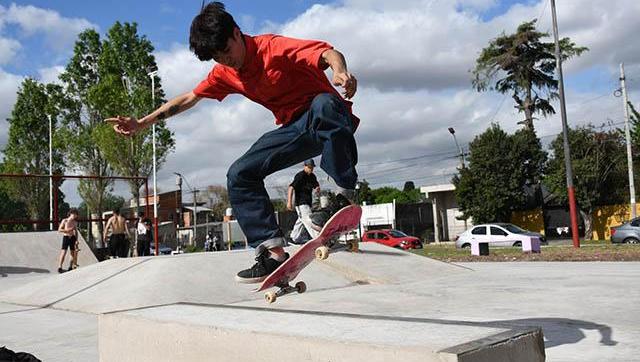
<point x="412" y="59"/>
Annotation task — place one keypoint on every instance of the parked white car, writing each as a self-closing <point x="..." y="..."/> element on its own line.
<point x="499" y="234"/>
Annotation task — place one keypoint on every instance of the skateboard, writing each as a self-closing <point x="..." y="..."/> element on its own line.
<point x="346" y="219"/>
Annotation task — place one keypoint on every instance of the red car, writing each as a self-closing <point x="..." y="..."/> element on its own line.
<point x="393" y="238"/>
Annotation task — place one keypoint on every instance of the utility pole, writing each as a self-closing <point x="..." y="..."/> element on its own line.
<point x="195" y="216"/>
<point x="627" y="134"/>
<point x="565" y="134"/>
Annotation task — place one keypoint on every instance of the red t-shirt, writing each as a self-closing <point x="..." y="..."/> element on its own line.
<point x="282" y="74"/>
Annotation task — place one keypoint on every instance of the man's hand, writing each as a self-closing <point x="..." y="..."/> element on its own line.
<point x="347" y="81"/>
<point x="126" y="126"/>
<point x="289" y="206"/>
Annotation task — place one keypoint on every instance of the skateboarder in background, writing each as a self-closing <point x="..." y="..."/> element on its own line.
<point x="286" y="76"/>
<point x="69" y="229"/>
<point x="301" y="189"/>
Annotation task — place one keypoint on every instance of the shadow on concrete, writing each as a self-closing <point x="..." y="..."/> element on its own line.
<point x="6" y="270"/>
<point x="557" y="331"/>
<point x="386" y="253"/>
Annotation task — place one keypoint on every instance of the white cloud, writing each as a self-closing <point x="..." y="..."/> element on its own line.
<point x="412" y="60"/>
<point x="8" y="49"/>
<point x="50" y="74"/>
<point x="9" y="84"/>
<point x="60" y="32"/>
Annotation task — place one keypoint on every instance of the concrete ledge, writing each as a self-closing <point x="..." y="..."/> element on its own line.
<point x="187" y="332"/>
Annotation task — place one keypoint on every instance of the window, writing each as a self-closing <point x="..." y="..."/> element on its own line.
<point x="480" y="230"/>
<point x="497" y="231"/>
<point x="635" y="222"/>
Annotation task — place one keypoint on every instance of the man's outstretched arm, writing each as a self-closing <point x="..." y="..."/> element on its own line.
<point x="130" y="125"/>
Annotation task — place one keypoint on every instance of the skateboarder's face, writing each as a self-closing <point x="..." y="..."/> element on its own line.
<point x="233" y="55"/>
<point x="308" y="169"/>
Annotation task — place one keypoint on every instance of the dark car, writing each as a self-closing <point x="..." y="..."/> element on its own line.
<point x="393" y="238"/>
<point x="628" y="232"/>
<point x="164" y="250"/>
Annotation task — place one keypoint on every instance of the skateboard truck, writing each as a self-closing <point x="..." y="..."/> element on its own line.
<point x="284" y="289"/>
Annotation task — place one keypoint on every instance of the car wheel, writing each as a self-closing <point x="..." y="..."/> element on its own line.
<point x="631" y="241"/>
<point x="466" y="246"/>
<point x="517" y="244"/>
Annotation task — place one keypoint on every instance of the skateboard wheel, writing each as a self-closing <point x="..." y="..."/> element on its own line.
<point x="322" y="253"/>
<point x="352" y="246"/>
<point x="270" y="297"/>
<point x="301" y="287"/>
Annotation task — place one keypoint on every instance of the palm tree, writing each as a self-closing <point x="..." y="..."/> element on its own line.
<point x="529" y="65"/>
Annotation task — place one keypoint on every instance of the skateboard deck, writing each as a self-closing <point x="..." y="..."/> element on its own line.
<point x="346" y="219"/>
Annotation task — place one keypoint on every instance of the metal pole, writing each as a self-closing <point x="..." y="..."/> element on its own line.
<point x="627" y="133"/>
<point x="50" y="173"/>
<point x="195" y="216"/>
<point x="155" y="181"/>
<point x="565" y="134"/>
<point x="453" y="133"/>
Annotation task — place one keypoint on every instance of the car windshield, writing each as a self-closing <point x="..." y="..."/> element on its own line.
<point x="397" y="234"/>
<point x="514" y="229"/>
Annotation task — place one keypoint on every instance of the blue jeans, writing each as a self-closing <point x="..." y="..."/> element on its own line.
<point x="325" y="128"/>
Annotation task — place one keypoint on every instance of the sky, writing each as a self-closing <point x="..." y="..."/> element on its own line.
<point x="412" y="59"/>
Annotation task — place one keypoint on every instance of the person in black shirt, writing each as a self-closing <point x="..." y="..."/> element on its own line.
<point x="301" y="189"/>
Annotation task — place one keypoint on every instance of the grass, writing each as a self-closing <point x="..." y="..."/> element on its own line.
<point x="590" y="250"/>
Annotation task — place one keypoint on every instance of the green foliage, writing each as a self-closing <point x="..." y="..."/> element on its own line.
<point x="500" y="166"/>
<point x="388" y="194"/>
<point x="27" y="150"/>
<point x="528" y="65"/>
<point x="599" y="164"/>
<point x="10" y="209"/>
<point x="125" y="53"/>
<point x="94" y="82"/>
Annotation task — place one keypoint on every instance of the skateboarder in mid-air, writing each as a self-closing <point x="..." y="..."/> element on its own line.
<point x="286" y="76"/>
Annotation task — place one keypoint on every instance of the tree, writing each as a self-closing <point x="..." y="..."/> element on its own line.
<point x="217" y="200"/>
<point x="634" y="128"/>
<point x="528" y="65"/>
<point x="81" y="129"/>
<point x="500" y="167"/>
<point x="389" y="194"/>
<point x="126" y="54"/>
<point x="599" y="164"/>
<point x="26" y="151"/>
<point x="10" y="209"/>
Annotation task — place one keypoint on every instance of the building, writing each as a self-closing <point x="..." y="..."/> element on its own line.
<point x="445" y="212"/>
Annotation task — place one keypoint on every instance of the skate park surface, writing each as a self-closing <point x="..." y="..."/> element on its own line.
<point x="380" y="304"/>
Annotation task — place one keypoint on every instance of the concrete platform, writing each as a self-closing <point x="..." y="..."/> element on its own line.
<point x="186" y="332"/>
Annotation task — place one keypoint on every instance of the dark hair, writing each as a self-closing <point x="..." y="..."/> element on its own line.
<point x="211" y="30"/>
<point x="73" y="211"/>
<point x="116" y="212"/>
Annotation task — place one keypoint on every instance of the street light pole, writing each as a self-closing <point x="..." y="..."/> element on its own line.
<point x="152" y="75"/>
<point x="565" y="133"/>
<point x="453" y="133"/>
<point x="50" y="173"/>
<point x="627" y="133"/>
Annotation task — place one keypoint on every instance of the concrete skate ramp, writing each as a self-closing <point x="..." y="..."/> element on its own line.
<point x="122" y="284"/>
<point x="37" y="252"/>
<point x="368" y="306"/>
